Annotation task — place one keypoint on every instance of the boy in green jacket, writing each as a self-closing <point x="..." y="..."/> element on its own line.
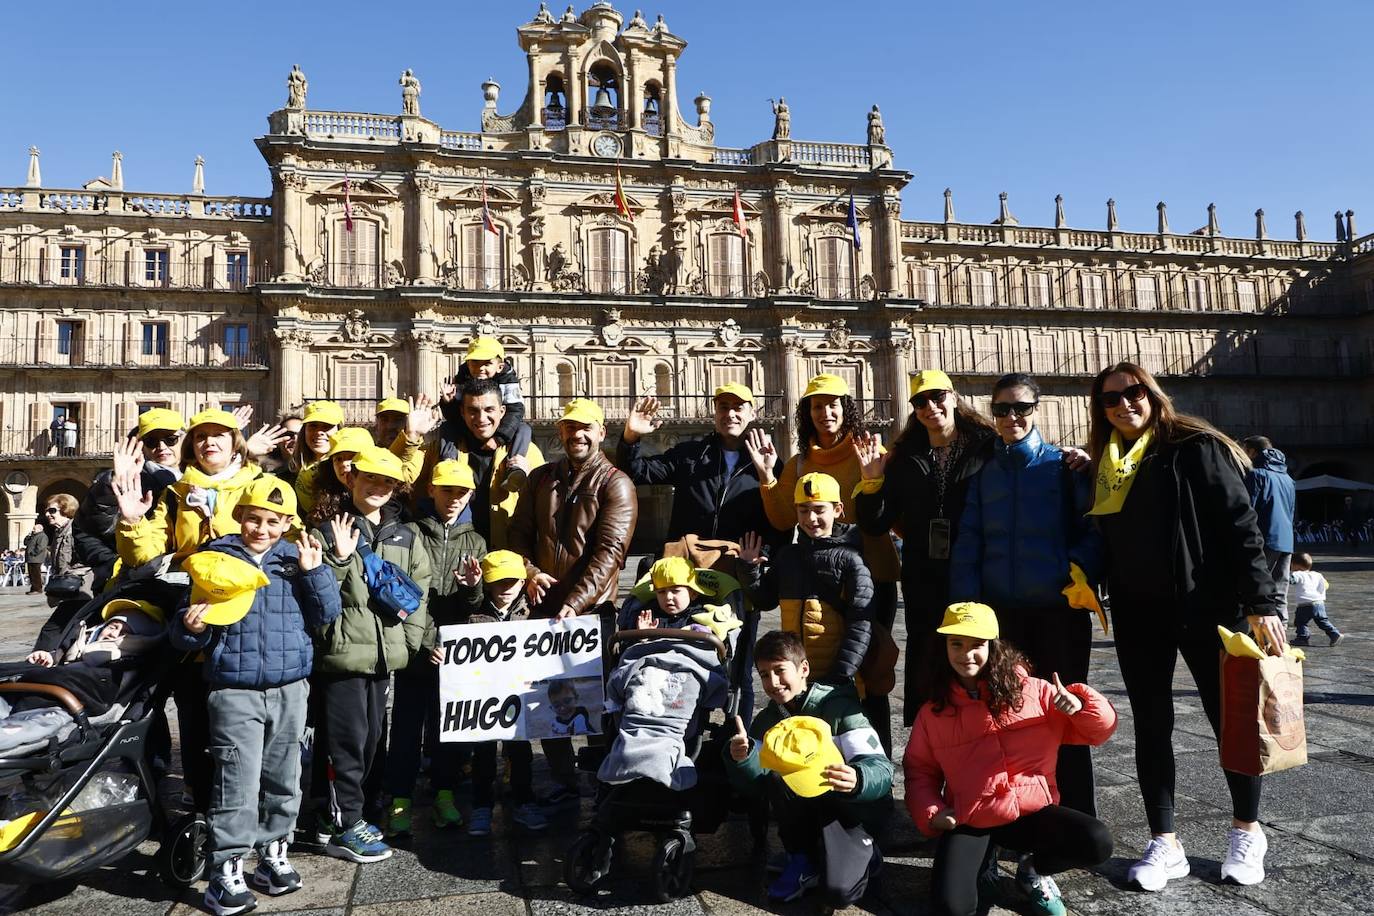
<point x="357" y="653"/>
<point x="855" y="793"/>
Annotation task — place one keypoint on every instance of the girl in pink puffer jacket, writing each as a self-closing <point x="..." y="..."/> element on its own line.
<point x="980" y="765"/>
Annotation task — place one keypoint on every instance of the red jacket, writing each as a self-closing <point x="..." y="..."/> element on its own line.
<point x="992" y="773"/>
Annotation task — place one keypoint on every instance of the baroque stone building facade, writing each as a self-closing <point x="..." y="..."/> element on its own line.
<point x="389" y="241"/>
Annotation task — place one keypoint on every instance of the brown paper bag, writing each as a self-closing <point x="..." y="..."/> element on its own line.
<point x="1262" y="729"/>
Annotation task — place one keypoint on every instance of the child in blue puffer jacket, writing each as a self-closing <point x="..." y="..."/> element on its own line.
<point x="255" y="600"/>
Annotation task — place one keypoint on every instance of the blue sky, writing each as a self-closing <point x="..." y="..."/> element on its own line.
<point x="1248" y="104"/>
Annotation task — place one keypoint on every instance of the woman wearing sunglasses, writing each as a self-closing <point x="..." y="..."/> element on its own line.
<point x="1023" y="539"/>
<point x="918" y="489"/>
<point x="153" y="453"/>
<point x="1183" y="554"/>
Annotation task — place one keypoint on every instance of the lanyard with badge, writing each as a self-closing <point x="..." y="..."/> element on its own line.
<point x="940" y="536"/>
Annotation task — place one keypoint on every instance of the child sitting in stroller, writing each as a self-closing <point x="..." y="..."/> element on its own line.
<point x="664" y="688"/>
<point x="127" y="628"/>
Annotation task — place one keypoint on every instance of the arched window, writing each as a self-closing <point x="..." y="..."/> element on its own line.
<point x="607" y="265"/>
<point x="484" y="257"/>
<point x="555" y="104"/>
<point x="725" y="264"/>
<point x="355" y="254"/>
<point x="834" y="269"/>
<point x="663" y="381"/>
<point x="603" y="85"/>
<point x="565" y="383"/>
<point x="651" y="119"/>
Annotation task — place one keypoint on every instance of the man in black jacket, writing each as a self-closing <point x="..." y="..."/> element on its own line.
<point x="715" y="487"/>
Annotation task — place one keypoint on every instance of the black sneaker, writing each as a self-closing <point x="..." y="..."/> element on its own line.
<point x="560" y="796"/>
<point x="227" y="893"/>
<point x="1300" y="641"/>
<point x="1336" y="637"/>
<point x="274" y="873"/>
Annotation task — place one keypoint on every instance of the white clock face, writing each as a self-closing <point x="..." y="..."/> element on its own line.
<point x="607" y="146"/>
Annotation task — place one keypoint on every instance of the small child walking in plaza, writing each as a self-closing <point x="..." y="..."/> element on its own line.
<point x="980" y="766"/>
<point x="1309" y="588"/>
<point x="255" y="600"/>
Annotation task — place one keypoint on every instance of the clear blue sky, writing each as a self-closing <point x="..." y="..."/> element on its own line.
<point x="1248" y="104"/>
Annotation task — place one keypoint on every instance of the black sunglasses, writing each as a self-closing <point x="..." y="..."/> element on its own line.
<point x="1005" y="408"/>
<point x="926" y="398"/>
<point x="51" y="510"/>
<point x="1132" y="393"/>
<point x="155" y="441"/>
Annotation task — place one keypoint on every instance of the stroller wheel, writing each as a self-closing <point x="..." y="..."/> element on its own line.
<point x="184" y="854"/>
<point x="588" y="861"/>
<point x="673" y="868"/>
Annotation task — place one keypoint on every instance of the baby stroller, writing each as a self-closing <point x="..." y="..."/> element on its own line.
<point x="675" y="817"/>
<point x="84" y="795"/>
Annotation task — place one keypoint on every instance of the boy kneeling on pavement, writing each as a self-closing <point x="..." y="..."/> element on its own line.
<point x="813" y="754"/>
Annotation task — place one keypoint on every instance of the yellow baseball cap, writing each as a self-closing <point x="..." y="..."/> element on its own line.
<point x="671" y="572"/>
<point x="124" y="605"/>
<point x="969" y="618"/>
<point x="735" y="389"/>
<point x="826" y="383"/>
<point x="816" y="488"/>
<point x="326" y="412"/>
<point x="400" y="405"/>
<point x="484" y="349"/>
<point x="502" y="564"/>
<point x="799" y="748"/>
<point x="930" y="380"/>
<point x="159" y="419"/>
<point x="373" y="460"/>
<point x="453" y="474"/>
<point x="270" y="493"/>
<point x="349" y="439"/>
<point x="581" y="410"/>
<point x="226" y="583"/>
<point x="213" y="416"/>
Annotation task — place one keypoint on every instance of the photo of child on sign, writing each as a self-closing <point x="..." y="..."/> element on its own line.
<point x="520" y="680"/>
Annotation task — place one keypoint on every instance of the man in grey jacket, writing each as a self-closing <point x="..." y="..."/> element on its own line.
<point x="35" y="552"/>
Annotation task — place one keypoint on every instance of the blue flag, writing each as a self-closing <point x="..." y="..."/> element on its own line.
<point x="852" y="221"/>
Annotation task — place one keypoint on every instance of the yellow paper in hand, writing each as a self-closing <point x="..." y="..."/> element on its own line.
<point x="1241" y="645"/>
<point x="1081" y="595"/>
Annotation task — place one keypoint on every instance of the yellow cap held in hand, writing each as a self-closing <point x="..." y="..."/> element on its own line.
<point x="159" y="420"/>
<point x="671" y="572"/>
<point x="225" y="583"/>
<point x="502" y="564"/>
<point x="816" y="488"/>
<point x="453" y="473"/>
<point x="799" y="748"/>
<point x="825" y="383"/>
<point x="969" y="618"/>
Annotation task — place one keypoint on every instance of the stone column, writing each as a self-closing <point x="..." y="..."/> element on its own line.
<point x="789" y="351"/>
<point x="426" y="189"/>
<point x="290" y="366"/>
<point x="900" y="350"/>
<point x="538" y="258"/>
<point x="292" y="185"/>
<point x="888" y="274"/>
<point x="784" y="279"/>
<point x="429" y="346"/>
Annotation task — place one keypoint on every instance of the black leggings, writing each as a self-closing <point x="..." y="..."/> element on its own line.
<point x="1059" y="838"/>
<point x="1148" y="644"/>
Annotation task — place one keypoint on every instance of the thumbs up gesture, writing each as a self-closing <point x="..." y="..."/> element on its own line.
<point x="1064" y="701"/>
<point x="739" y="742"/>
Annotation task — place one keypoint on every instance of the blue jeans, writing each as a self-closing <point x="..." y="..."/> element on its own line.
<point x="1314" y="613"/>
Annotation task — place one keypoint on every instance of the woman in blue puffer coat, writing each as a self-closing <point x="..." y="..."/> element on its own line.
<point x="1022" y="540"/>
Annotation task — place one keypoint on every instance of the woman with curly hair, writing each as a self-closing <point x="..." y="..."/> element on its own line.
<point x="828" y="422"/>
<point x="980" y="765"/>
<point x="1184" y="554"/>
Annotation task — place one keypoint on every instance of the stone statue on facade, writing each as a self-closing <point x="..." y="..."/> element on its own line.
<point x="296" y="85"/>
<point x="410" y="94"/>
<point x="561" y="273"/>
<point x="637" y="22"/>
<point x="782" y="119"/>
<point x="569" y="15"/>
<point x="877" y="134"/>
<point x="654" y="278"/>
<point x="543" y="17"/>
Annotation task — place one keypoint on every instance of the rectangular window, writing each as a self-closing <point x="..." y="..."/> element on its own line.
<point x="834" y="269"/>
<point x="612" y="387"/>
<point x="1195" y="291"/>
<point x="1042" y="353"/>
<point x="155" y="261"/>
<point x="72" y="267"/>
<point x="725" y="269"/>
<point x="236" y="344"/>
<point x="726" y="373"/>
<point x="1247" y="295"/>
<point x="1039" y="291"/>
<point x="983" y="287"/>
<point x="483" y="258"/>
<point x="1098" y="352"/>
<point x="155" y="339"/>
<point x="987" y="353"/>
<point x="356" y="263"/>
<point x="236" y="269"/>
<point x="145" y="406"/>
<point x="1094" y="289"/>
<point x="852" y="376"/>
<point x="69" y="338"/>
<point x="926" y="284"/>
<point x="355" y="385"/>
<point x="929" y="349"/>
<point x="1146" y="292"/>
<point x="606" y="270"/>
<point x="1152" y="354"/>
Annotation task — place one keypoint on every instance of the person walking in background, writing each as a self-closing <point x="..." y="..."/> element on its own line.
<point x="35" y="554"/>
<point x="1311" y="600"/>
<point x="1274" y="498"/>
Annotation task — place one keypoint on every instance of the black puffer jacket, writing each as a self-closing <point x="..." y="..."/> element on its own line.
<point x="509" y="383"/>
<point x="705" y="502"/>
<point x="1187" y="540"/>
<point x="825" y="593"/>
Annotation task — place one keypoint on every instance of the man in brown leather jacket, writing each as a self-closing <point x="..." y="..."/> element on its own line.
<point x="573" y="525"/>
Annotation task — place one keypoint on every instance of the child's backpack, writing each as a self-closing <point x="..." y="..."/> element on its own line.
<point x="388" y="584"/>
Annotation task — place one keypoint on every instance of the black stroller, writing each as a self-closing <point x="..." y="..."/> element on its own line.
<point x="85" y="795"/>
<point x="644" y="805"/>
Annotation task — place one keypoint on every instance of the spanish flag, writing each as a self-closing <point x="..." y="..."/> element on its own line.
<point x="622" y="206"/>
<point x="739" y="216"/>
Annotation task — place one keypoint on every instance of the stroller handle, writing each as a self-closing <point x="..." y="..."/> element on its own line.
<point x="61" y="694"/>
<point x="709" y="639"/>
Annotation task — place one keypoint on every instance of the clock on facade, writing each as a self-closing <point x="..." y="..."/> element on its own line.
<point x="607" y="146"/>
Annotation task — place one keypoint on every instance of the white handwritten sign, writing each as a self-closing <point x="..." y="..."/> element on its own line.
<point x="520" y="680"/>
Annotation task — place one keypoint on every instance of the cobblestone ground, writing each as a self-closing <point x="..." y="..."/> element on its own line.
<point x="1319" y="818"/>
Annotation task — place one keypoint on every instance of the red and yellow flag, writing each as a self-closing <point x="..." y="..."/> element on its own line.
<point x="739" y="216"/>
<point x="622" y="206"/>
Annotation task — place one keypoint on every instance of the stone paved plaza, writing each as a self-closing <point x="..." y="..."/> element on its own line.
<point x="1320" y="822"/>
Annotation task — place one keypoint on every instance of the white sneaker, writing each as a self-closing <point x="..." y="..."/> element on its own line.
<point x="1245" y="857"/>
<point x="1163" y="861"/>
